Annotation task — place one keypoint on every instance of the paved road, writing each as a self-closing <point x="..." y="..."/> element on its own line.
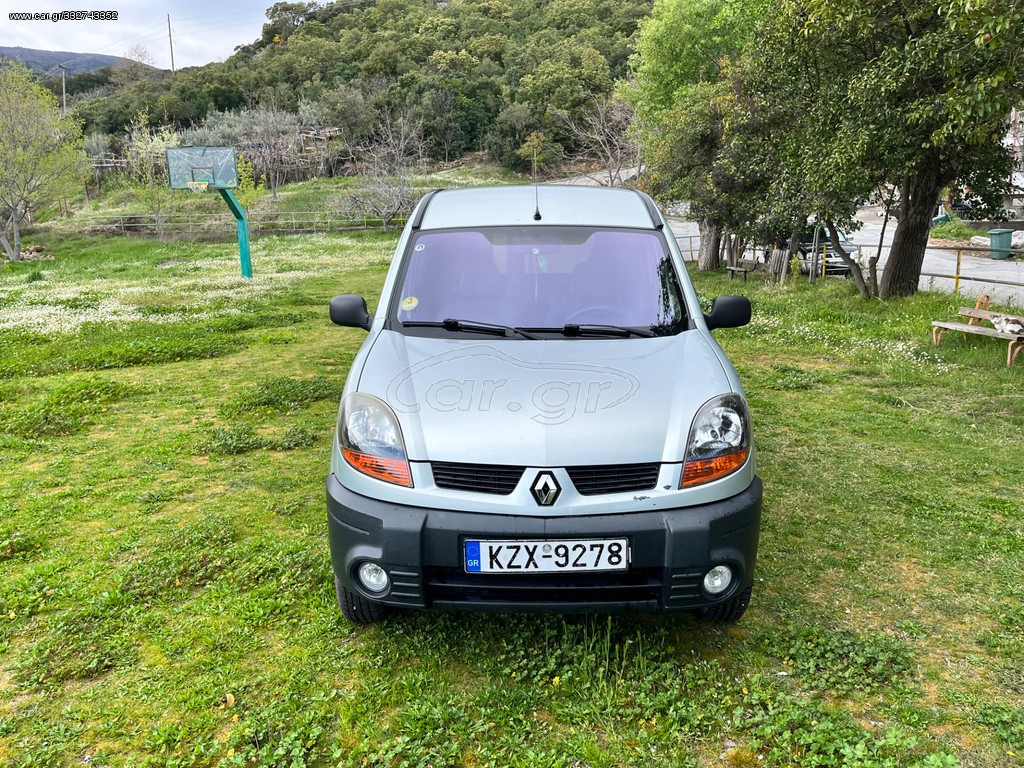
<point x="937" y="261"/>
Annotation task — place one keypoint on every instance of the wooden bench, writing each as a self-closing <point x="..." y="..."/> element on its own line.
<point x="976" y="314"/>
<point x="743" y="268"/>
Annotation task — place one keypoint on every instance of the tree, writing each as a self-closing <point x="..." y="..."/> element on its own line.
<point x="604" y="132"/>
<point x="910" y="94"/>
<point x="385" y="190"/>
<point x="137" y="65"/>
<point x="539" y="151"/>
<point x="250" y="189"/>
<point x="683" y="50"/>
<point x="41" y="154"/>
<point x="273" y="133"/>
<point x="828" y="101"/>
<point x="146" y="153"/>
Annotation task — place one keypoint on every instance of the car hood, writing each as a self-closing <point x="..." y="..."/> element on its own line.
<point x="557" y="402"/>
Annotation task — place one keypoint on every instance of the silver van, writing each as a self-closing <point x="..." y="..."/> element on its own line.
<point x="540" y="419"/>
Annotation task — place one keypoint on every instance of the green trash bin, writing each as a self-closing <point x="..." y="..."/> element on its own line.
<point x="1001" y="240"/>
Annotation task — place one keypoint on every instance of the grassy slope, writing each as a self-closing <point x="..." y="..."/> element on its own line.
<point x="316" y="195"/>
<point x="165" y="589"/>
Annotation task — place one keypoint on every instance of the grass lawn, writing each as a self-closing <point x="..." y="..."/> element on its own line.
<point x="165" y="588"/>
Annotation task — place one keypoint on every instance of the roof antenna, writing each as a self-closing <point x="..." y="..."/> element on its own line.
<point x="536" y="189"/>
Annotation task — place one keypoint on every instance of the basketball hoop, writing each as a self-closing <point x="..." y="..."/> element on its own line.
<point x="201" y="168"/>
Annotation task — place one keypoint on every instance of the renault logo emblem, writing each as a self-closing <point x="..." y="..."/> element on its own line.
<point x="545" y="489"/>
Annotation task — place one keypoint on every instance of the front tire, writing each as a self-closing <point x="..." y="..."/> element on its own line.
<point x="730" y="610"/>
<point x="357" y="608"/>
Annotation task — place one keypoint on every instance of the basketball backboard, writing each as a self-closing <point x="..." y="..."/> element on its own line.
<point x="215" y="166"/>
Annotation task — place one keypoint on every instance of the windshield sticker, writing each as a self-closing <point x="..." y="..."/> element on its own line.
<point x="409" y="303"/>
<point x="419" y="247"/>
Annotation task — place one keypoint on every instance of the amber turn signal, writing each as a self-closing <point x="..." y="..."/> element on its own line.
<point x="698" y="471"/>
<point x="389" y="470"/>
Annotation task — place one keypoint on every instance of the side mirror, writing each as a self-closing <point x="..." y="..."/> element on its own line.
<point x="728" y="312"/>
<point x="350" y="310"/>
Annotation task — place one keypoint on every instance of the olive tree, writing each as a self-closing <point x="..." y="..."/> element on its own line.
<point x="41" y="154"/>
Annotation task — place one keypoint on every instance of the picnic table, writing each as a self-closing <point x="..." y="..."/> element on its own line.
<point x="976" y="314"/>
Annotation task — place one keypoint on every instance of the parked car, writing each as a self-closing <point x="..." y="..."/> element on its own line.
<point x="540" y="419"/>
<point x="834" y="264"/>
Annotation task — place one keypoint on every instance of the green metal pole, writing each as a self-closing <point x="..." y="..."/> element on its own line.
<point x="243" y="231"/>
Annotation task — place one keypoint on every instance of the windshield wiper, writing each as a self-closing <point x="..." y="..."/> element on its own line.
<point x="471" y="326"/>
<point x="595" y="329"/>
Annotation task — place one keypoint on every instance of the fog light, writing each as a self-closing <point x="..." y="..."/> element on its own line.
<point x="373" y="577"/>
<point x="718" y="580"/>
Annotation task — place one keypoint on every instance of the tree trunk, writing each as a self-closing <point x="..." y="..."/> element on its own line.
<point x="708" y="257"/>
<point x="918" y="196"/>
<point x="737" y="245"/>
<point x="873" y="261"/>
<point x="12" y="245"/>
<point x="854" y="267"/>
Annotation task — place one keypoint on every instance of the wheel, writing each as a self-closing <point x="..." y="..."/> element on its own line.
<point x="357" y="608"/>
<point x="614" y="316"/>
<point x="729" y="611"/>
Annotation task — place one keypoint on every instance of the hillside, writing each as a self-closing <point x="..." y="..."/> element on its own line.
<point x="42" y="62"/>
<point x="478" y="74"/>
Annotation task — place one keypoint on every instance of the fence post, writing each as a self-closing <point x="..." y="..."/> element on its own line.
<point x="959" y="261"/>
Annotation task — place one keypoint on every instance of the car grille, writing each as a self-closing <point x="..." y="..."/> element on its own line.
<point x="614" y="478"/>
<point x="501" y="479"/>
<point x="452" y="586"/>
<point x="479" y="478"/>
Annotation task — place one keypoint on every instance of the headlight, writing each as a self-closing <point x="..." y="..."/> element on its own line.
<point x="719" y="441"/>
<point x="371" y="440"/>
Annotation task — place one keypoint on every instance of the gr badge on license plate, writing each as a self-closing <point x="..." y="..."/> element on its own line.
<point x="550" y="556"/>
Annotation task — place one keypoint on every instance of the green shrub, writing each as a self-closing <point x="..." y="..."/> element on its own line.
<point x="954" y="229"/>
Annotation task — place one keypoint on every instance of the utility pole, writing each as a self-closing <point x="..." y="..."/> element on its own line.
<point x="171" y="41"/>
<point x="63" y="91"/>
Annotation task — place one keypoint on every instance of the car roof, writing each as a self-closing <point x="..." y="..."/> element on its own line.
<point x="518" y="205"/>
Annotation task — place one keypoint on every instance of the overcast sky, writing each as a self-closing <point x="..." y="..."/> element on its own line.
<point x="203" y="30"/>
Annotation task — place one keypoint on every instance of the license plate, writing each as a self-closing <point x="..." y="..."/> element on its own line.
<point x="564" y="555"/>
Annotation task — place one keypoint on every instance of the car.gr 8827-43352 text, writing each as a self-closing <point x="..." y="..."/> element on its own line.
<point x="65" y="16"/>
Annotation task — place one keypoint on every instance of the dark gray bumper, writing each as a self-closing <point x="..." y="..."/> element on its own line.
<point x="422" y="549"/>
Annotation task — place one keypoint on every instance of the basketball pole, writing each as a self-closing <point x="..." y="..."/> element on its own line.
<point x="198" y="169"/>
<point x="243" y="231"/>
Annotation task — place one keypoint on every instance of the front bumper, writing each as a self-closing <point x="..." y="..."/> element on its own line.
<point x="422" y="550"/>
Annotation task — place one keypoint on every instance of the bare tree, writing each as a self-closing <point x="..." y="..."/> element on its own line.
<point x="140" y="53"/>
<point x="272" y="147"/>
<point x="603" y="131"/>
<point x="137" y="65"/>
<point x="387" y="160"/>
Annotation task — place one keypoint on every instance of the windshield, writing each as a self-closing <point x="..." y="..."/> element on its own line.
<point x="541" y="278"/>
<point x="823" y="236"/>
